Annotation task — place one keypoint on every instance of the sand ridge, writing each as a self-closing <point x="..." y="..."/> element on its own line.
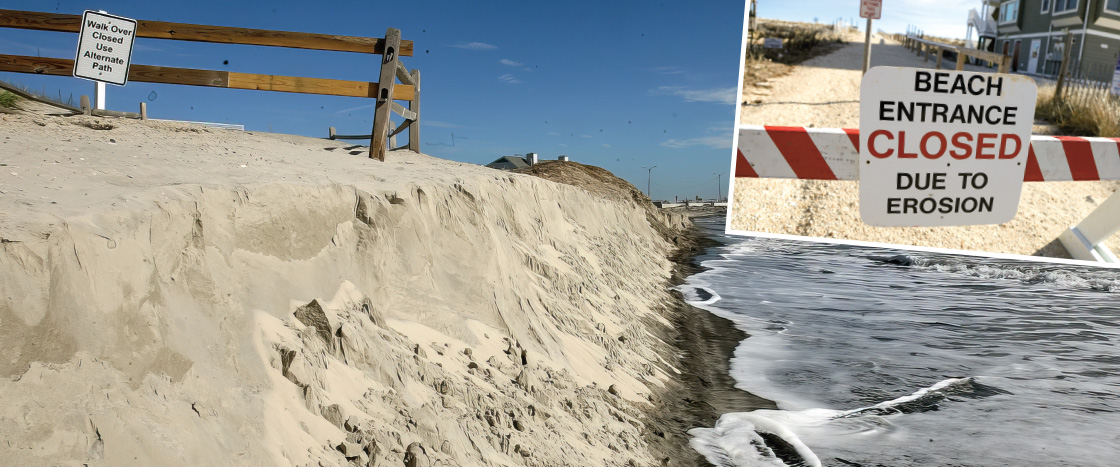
<point x="164" y="291"/>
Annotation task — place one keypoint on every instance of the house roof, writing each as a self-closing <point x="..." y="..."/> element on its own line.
<point x="516" y="162"/>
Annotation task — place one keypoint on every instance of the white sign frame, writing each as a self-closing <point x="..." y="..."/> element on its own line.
<point x="941" y="167"/>
<point x="93" y="42"/>
<point x="871" y="9"/>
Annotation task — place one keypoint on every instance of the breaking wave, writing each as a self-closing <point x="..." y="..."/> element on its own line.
<point x="1062" y="276"/>
<point x="767" y="437"/>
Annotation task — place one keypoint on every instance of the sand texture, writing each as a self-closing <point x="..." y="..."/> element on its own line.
<point x="172" y="295"/>
<point x="824" y="92"/>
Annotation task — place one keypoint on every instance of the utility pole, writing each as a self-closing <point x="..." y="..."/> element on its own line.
<point x="719" y="185"/>
<point x="649" y="177"/>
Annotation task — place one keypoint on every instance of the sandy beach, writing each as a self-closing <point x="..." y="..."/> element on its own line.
<point x="824" y="92"/>
<point x="175" y="295"/>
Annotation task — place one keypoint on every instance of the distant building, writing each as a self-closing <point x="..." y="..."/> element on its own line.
<point x="1033" y="33"/>
<point x="518" y="162"/>
<point x="509" y="163"/>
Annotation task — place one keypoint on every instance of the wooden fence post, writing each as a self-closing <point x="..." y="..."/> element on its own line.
<point x="143" y="111"/>
<point x="940" y="52"/>
<point x="1065" y="64"/>
<point x="414" y="105"/>
<point x="383" y="109"/>
<point x="85" y="105"/>
<point x="961" y="57"/>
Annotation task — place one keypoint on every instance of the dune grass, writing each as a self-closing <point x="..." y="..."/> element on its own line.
<point x="1081" y="111"/>
<point x="800" y="41"/>
<point x="8" y="100"/>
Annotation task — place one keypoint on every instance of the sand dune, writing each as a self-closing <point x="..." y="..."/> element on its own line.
<point x="171" y="295"/>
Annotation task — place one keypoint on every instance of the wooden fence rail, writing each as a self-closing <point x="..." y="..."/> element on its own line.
<point x="923" y="47"/>
<point x="385" y="90"/>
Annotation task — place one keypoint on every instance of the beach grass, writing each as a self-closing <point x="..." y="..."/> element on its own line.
<point x="800" y="41"/>
<point x="40" y="94"/>
<point x="8" y="100"/>
<point x="1080" y="112"/>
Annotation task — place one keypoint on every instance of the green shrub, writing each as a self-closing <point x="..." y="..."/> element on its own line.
<point x="8" y="100"/>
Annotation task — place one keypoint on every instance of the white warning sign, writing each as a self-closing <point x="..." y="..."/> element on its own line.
<point x="104" y="47"/>
<point x="942" y="147"/>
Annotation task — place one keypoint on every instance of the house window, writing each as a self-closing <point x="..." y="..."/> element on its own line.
<point x="1045" y="6"/>
<point x="1112" y="5"/>
<point x="1009" y="12"/>
<point x="1061" y="6"/>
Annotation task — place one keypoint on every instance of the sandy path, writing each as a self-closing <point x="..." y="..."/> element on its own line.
<point x="824" y="92"/>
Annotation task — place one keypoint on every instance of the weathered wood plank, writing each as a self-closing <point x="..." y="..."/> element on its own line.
<point x="143" y="73"/>
<point x="400" y="110"/>
<point x="210" y="78"/>
<point x="402" y="74"/>
<point x="332" y="87"/>
<point x="405" y="124"/>
<point x="203" y="33"/>
<point x="385" y="87"/>
<point x="414" y="105"/>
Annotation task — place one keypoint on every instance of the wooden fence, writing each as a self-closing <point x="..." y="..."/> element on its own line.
<point x="386" y="91"/>
<point x="923" y="48"/>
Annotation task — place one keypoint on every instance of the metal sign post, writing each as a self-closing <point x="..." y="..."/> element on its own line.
<point x="872" y="10"/>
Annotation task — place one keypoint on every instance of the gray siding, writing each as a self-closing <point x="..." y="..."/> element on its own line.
<point x="1099" y="62"/>
<point x="1033" y="20"/>
<point x="1099" y="13"/>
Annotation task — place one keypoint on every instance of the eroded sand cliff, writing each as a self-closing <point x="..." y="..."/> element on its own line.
<point x="180" y="296"/>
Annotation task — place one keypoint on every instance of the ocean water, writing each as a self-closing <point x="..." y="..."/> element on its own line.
<point x="878" y="357"/>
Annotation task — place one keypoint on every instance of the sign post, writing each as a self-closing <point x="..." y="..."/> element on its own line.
<point x="942" y="148"/>
<point x="872" y="10"/>
<point x="104" y="48"/>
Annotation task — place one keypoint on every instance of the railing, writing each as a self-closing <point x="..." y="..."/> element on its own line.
<point x="385" y="90"/>
<point x="1085" y="240"/>
<point x="923" y="47"/>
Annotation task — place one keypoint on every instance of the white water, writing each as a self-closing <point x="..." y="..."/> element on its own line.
<point x="914" y="360"/>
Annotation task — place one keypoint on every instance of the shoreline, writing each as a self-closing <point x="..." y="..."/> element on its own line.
<point x="706" y="343"/>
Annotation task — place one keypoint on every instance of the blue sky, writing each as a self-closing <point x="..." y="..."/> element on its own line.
<point x="942" y="18"/>
<point x="619" y="85"/>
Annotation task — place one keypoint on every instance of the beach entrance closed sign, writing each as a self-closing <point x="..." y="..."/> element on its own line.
<point x="942" y="147"/>
<point x="105" y="47"/>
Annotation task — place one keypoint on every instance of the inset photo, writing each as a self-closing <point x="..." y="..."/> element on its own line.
<point x="981" y="126"/>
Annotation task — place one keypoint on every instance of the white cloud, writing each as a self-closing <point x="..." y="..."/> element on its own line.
<point x="509" y="79"/>
<point x="585" y="136"/>
<point x="666" y="70"/>
<point x="475" y="46"/>
<point x="605" y="145"/>
<point x="718" y="95"/>
<point x="714" y="142"/>
<point x="508" y="62"/>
